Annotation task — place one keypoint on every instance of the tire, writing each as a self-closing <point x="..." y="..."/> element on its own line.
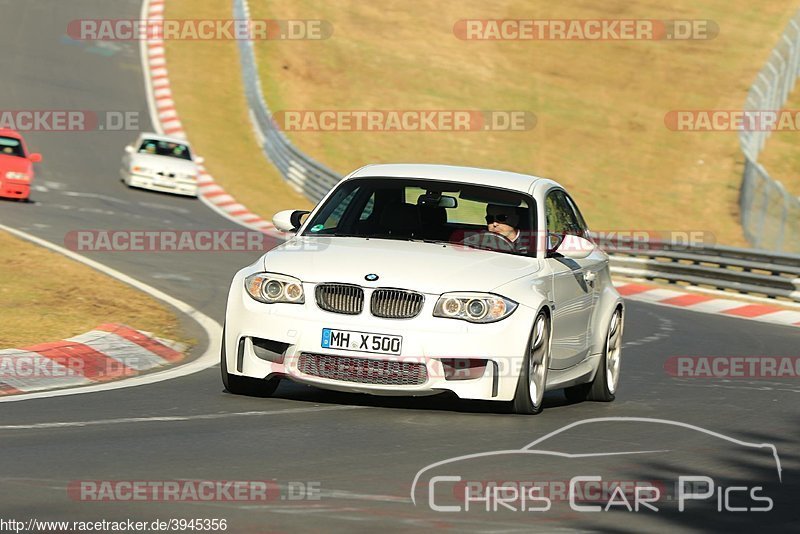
<point x="532" y="382"/>
<point x="244" y="385"/>
<point x="606" y="380"/>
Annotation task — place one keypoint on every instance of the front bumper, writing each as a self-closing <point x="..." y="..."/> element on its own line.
<point x="169" y="185"/>
<point x="11" y="189"/>
<point x="297" y="328"/>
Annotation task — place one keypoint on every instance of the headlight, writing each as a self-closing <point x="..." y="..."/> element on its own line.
<point x="17" y="176"/>
<point x="474" y="307"/>
<point x="141" y="170"/>
<point x="270" y="288"/>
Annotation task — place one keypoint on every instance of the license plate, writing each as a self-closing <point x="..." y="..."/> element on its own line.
<point x="164" y="183"/>
<point x="361" y="341"/>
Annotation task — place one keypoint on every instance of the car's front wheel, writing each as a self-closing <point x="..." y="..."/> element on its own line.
<point x="529" y="396"/>
<point x="244" y="385"/>
<point x="604" y="386"/>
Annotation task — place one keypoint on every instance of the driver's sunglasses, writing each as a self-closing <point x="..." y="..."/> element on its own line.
<point x="500" y="217"/>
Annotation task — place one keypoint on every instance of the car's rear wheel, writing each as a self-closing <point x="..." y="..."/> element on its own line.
<point x="244" y="385"/>
<point x="529" y="396"/>
<point x="604" y="386"/>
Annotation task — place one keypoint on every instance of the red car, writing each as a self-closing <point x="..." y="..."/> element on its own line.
<point x="16" y="165"/>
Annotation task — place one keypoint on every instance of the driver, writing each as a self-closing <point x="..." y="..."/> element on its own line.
<point x="503" y="220"/>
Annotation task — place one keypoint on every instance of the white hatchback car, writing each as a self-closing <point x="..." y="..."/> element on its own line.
<point x="419" y="279"/>
<point x="161" y="163"/>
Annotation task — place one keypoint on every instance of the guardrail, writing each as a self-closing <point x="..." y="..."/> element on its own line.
<point x="770" y="215"/>
<point x="748" y="272"/>
<point x="304" y="173"/>
<point x="725" y="268"/>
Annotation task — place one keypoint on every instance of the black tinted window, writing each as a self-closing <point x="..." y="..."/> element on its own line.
<point x="422" y="210"/>
<point x="11" y="147"/>
<point x="165" y="148"/>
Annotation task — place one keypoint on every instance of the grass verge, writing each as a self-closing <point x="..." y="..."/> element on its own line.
<point x="600" y="106"/>
<point x="47" y="297"/>
<point x="206" y="83"/>
<point x="780" y="155"/>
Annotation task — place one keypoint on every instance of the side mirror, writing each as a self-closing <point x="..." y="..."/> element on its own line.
<point x="199" y="160"/>
<point x="129" y="149"/>
<point x="35" y="157"/>
<point x="575" y="247"/>
<point x="288" y="220"/>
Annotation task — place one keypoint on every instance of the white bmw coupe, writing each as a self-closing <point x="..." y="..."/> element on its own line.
<point x="421" y="279"/>
<point x="161" y="163"/>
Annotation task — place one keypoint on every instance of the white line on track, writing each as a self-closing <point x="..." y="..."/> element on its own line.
<point x="174" y="418"/>
<point x="789" y="388"/>
<point x="211" y="327"/>
<point x="98" y="196"/>
<point x="157" y="206"/>
<point x="171" y="276"/>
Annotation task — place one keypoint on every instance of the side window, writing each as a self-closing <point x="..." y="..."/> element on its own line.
<point x="368" y="208"/>
<point x="561" y="218"/>
<point x="333" y="220"/>
<point x="579" y="217"/>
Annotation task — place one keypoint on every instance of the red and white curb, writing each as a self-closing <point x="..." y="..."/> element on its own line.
<point x="109" y="352"/>
<point x="708" y="304"/>
<point x="166" y="121"/>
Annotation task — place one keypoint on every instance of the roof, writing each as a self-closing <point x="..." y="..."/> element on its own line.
<point x="7" y="132"/>
<point x="451" y="173"/>
<point x="157" y="137"/>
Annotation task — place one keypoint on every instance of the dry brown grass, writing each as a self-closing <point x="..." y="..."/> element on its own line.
<point x="781" y="157"/>
<point x="206" y="83"/>
<point x="47" y="297"/>
<point x="600" y="105"/>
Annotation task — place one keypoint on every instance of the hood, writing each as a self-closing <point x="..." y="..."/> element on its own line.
<point x="164" y="163"/>
<point x="426" y="267"/>
<point x="14" y="164"/>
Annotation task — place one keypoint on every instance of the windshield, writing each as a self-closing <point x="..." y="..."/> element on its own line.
<point x="11" y="147"/>
<point x="165" y="148"/>
<point x="429" y="210"/>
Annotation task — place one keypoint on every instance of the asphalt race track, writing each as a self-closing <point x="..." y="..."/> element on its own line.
<point x="361" y="453"/>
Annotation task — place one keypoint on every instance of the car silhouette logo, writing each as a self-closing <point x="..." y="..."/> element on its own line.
<point x="371" y="277"/>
